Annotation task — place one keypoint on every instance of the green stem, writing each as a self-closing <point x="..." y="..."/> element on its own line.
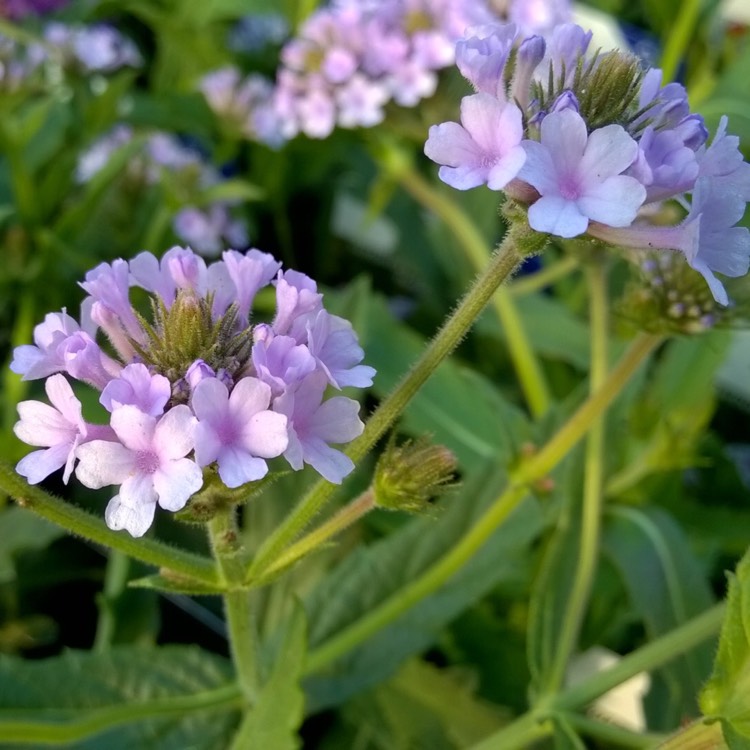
<point x="115" y="582"/>
<point x="531" y="471"/>
<point x="535" y="282"/>
<point x="697" y="736"/>
<point x="611" y="734"/>
<point x="243" y="639"/>
<point x="501" y="266"/>
<point x="525" y="729"/>
<point x="82" y="725"/>
<point x="345" y="517"/>
<point x="593" y="482"/>
<point x="530" y="375"/>
<point x="542" y="462"/>
<point x="679" y="38"/>
<point x="83" y="523"/>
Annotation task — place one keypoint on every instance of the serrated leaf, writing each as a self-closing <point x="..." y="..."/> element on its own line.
<point x="22" y="530"/>
<point x="459" y="407"/>
<point x="372" y="574"/>
<point x="274" y="719"/>
<point x="727" y="693"/>
<point x="76" y="689"/>
<point x="667" y="588"/>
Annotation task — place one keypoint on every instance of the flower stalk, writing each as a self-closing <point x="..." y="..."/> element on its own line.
<point x="502" y="265"/>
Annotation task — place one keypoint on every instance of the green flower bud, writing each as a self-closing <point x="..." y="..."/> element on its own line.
<point x="409" y="476"/>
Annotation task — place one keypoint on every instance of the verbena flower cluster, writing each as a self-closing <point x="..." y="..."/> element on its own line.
<point x="199" y="385"/>
<point x="97" y="48"/>
<point x="587" y="140"/>
<point x="352" y="57"/>
<point x="206" y="228"/>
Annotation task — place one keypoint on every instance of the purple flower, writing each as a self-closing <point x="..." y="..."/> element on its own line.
<point x="282" y="362"/>
<point x="46" y="356"/>
<point x="723" y="162"/>
<point x="148" y="462"/>
<point x="137" y="386"/>
<point x="237" y="430"/>
<point x="313" y="425"/>
<point x="109" y="287"/>
<point x="59" y="428"/>
<point x="707" y="237"/>
<point x="579" y="176"/>
<point x="333" y="343"/>
<point x="249" y="272"/>
<point x="484" y="149"/>
<point x="482" y="55"/>
<point x="296" y="295"/>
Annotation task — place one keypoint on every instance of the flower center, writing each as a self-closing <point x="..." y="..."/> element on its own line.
<point x="569" y="188"/>
<point x="147" y="462"/>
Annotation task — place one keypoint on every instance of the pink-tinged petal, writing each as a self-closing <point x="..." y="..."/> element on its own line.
<point x="174" y="435"/>
<point x="450" y="144"/>
<point x="506" y="169"/>
<point x="40" y="424"/>
<point x="249" y="396"/>
<point x="564" y="134"/>
<point x="209" y="400"/>
<point x="265" y="435"/>
<point x="136" y="521"/>
<point x="208" y="444"/>
<point x="64" y="400"/>
<point x="539" y="169"/>
<point x="134" y="428"/>
<point x="614" y="202"/>
<point x="495" y="126"/>
<point x="610" y="151"/>
<point x="331" y="464"/>
<point x="176" y="481"/>
<point x="102" y="463"/>
<point x="236" y="468"/>
<point x="557" y="216"/>
<point x="40" y="464"/>
<point x="337" y="420"/>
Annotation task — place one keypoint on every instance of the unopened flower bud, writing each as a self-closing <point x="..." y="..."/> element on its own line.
<point x="409" y="476"/>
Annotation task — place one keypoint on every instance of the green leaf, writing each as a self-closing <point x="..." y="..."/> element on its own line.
<point x="274" y="719"/>
<point x="733" y="378"/>
<point x="551" y="591"/>
<point x="22" y="531"/>
<point x="177" y="585"/>
<point x="372" y="574"/>
<point x="233" y="190"/>
<point x="174" y="697"/>
<point x="459" y="407"/>
<point x="667" y="587"/>
<point x="727" y="694"/>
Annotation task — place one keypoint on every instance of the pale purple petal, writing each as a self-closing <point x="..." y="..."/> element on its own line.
<point x="337" y="420"/>
<point x="101" y="463"/>
<point x="330" y="463"/>
<point x="137" y="386"/>
<point x="174" y="434"/>
<point x="38" y="465"/>
<point x="134" y="428"/>
<point x="558" y="216"/>
<point x="609" y="151"/>
<point x="265" y="435"/>
<point x="176" y="481"/>
<point x="136" y="520"/>
<point x="237" y="467"/>
<point x="615" y="201"/>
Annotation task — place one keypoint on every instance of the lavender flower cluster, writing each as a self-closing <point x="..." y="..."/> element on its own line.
<point x="586" y="140"/>
<point x="198" y="386"/>
<point x="206" y="229"/>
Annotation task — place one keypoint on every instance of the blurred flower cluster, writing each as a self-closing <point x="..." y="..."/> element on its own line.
<point x="586" y="140"/>
<point x="198" y="385"/>
<point x="206" y="229"/>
